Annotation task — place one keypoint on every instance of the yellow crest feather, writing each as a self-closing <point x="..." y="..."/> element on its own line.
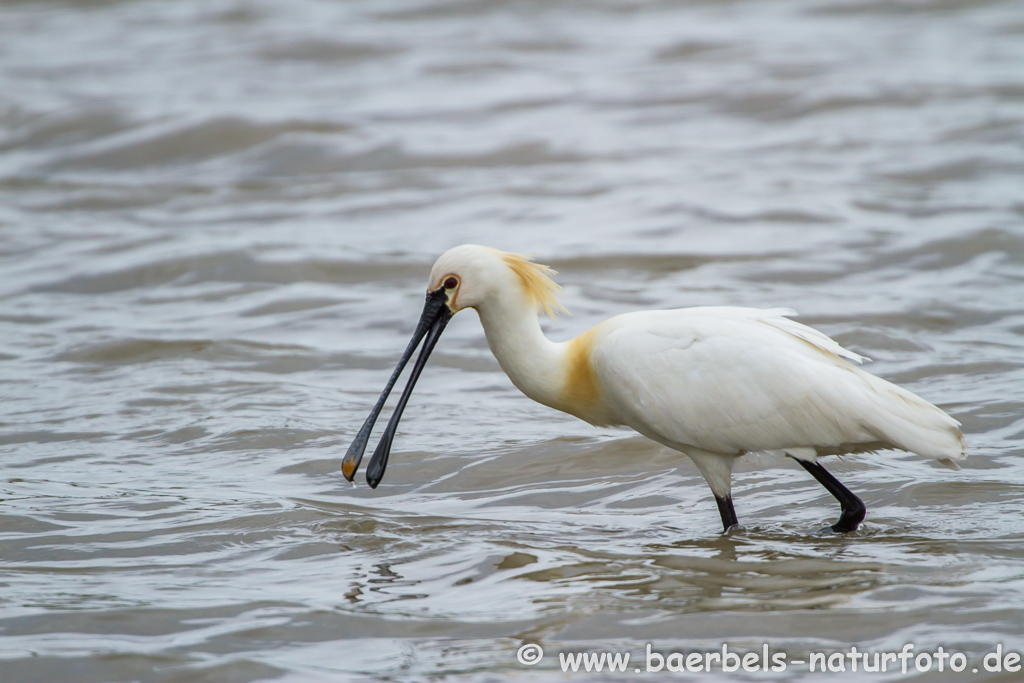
<point x="537" y="283"/>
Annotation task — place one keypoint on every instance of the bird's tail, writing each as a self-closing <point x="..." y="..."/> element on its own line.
<point x="911" y="423"/>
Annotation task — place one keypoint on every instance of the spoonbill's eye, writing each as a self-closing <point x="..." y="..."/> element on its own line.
<point x="451" y="283"/>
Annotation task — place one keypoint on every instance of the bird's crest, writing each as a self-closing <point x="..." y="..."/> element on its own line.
<point x="537" y="283"/>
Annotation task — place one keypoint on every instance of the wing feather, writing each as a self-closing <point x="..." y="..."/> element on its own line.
<point x="733" y="380"/>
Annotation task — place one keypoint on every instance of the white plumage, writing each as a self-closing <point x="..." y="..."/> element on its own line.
<point x="727" y="381"/>
<point x="732" y="380"/>
<point x="711" y="382"/>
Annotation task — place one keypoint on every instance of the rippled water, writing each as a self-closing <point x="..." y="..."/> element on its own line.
<point x="216" y="221"/>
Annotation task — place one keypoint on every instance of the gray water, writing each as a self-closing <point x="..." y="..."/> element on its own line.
<point x="216" y="222"/>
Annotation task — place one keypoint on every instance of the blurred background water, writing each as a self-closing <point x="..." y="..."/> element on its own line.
<point x="216" y="222"/>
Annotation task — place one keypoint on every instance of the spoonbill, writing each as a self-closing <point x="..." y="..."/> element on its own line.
<point x="713" y="383"/>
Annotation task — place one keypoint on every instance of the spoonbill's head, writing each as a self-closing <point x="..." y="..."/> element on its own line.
<point x="469" y="276"/>
<point x="473" y="277"/>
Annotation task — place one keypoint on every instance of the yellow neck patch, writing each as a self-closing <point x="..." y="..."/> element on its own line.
<point x="581" y="391"/>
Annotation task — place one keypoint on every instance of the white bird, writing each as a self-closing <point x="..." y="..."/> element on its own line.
<point x="713" y="383"/>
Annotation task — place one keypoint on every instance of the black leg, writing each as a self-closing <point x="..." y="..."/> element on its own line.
<point x="728" y="513"/>
<point x="853" y="507"/>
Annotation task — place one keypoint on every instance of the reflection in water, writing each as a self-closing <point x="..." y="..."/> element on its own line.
<point x="216" y="220"/>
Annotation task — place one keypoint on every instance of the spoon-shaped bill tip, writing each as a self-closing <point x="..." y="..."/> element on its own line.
<point x="348" y="468"/>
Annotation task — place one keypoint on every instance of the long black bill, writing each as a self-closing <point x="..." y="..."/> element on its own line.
<point x="379" y="461"/>
<point x="434" y="310"/>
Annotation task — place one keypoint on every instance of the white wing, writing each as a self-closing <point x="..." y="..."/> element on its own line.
<point x="732" y="380"/>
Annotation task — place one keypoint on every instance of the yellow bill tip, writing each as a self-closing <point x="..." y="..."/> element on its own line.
<point x="348" y="468"/>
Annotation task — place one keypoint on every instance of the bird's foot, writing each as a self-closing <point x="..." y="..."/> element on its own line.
<point x="853" y="514"/>
<point x="833" y="530"/>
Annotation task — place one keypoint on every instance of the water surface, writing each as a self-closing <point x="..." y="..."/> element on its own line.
<point x="216" y="222"/>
